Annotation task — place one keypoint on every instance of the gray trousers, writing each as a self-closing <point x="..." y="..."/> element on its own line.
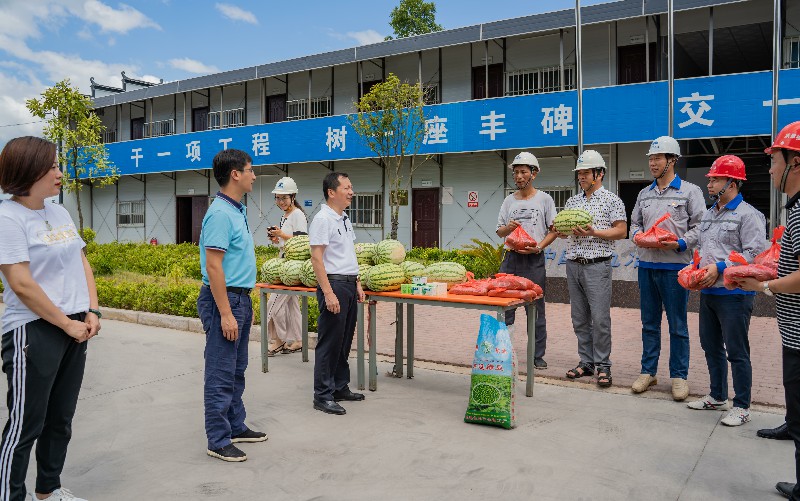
<point x="530" y="266"/>
<point x="589" y="288"/>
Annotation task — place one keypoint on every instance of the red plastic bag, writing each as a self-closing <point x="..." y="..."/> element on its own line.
<point x="472" y="288"/>
<point x="508" y="281"/>
<point x="528" y="295"/>
<point x="770" y="256"/>
<point x="745" y="269"/>
<point x="690" y="277"/>
<point x="655" y="236"/>
<point x="519" y="239"/>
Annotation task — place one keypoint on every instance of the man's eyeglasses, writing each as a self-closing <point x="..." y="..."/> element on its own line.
<point x="248" y="171"/>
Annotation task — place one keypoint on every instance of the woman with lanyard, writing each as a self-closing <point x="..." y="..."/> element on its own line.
<point x="51" y="311"/>
<point x="283" y="311"/>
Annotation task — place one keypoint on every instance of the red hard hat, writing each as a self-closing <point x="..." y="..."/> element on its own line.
<point x="727" y="166"/>
<point x="787" y="139"/>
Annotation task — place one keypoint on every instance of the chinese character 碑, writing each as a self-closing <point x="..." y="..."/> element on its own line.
<point x="261" y="144"/>
<point x="696" y="117"/>
<point x="491" y="124"/>
<point x="193" y="151"/>
<point x="336" y="138"/>
<point x="435" y="131"/>
<point x="557" y="119"/>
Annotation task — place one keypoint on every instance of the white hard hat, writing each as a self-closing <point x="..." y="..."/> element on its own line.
<point x="590" y="159"/>
<point x="286" y="186"/>
<point x="664" y="144"/>
<point x="525" y="158"/>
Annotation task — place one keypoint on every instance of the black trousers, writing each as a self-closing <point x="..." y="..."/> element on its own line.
<point x="44" y="367"/>
<point x="791" y="385"/>
<point x="530" y="266"/>
<point x="335" y="337"/>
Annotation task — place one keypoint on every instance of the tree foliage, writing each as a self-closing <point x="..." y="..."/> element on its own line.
<point x="72" y="124"/>
<point x="413" y="17"/>
<point x="390" y="120"/>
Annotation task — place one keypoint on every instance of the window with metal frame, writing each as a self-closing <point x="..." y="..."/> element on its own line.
<point x="560" y="194"/>
<point x="366" y="210"/>
<point x="130" y="213"/>
<point x="538" y="80"/>
<point x="791" y="52"/>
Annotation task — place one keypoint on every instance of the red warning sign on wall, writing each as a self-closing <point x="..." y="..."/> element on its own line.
<point x="472" y="199"/>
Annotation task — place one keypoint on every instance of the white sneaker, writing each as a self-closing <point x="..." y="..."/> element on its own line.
<point x="708" y="403"/>
<point x="737" y="416"/>
<point x="60" y="494"/>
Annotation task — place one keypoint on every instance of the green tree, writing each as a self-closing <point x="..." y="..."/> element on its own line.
<point x="72" y="124"/>
<point x="413" y="17"/>
<point x="390" y="120"/>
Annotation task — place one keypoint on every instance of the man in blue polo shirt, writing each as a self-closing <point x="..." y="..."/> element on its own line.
<point x="228" y="265"/>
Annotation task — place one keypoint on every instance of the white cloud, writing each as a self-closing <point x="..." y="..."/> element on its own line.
<point x="151" y="79"/>
<point x="365" y="37"/>
<point x="192" y="66"/>
<point x="121" y="20"/>
<point x="236" y="13"/>
<point x="14" y="90"/>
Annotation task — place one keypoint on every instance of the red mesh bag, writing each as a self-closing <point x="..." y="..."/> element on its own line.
<point x="528" y="295"/>
<point x="472" y="288"/>
<point x="690" y="277"/>
<point x="745" y="269"/>
<point x="769" y="257"/>
<point x="508" y="281"/>
<point x="655" y="236"/>
<point x="519" y="239"/>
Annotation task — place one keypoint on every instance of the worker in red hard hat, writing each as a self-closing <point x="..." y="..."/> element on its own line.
<point x="785" y="172"/>
<point x="731" y="224"/>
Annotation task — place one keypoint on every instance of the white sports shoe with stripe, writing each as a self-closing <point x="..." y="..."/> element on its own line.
<point x="708" y="403"/>
<point x="736" y="417"/>
<point x="60" y="494"/>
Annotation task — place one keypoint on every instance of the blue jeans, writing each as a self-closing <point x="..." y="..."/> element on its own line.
<point x="225" y="363"/>
<point x="724" y="327"/>
<point x="659" y="291"/>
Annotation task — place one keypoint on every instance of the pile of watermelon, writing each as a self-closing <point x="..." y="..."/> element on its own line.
<point x="502" y="285"/>
<point x="294" y="269"/>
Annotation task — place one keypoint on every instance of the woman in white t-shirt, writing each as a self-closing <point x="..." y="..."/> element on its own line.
<point x="51" y="311"/>
<point x="283" y="311"/>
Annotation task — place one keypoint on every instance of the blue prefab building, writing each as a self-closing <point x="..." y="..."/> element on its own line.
<point x="491" y="90"/>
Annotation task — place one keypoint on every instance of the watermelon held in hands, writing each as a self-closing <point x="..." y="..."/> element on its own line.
<point x="297" y="248"/>
<point x="271" y="270"/>
<point x="568" y="219"/>
<point x="389" y="251"/>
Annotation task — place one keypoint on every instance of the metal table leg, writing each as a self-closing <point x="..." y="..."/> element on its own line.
<point x="530" y="312"/>
<point x="304" y="314"/>
<point x="398" y="340"/>
<point x="373" y="338"/>
<point x="360" y="346"/>
<point x="264" y="343"/>
<point x="410" y="340"/>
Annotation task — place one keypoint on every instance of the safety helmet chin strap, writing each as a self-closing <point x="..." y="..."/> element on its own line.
<point x="785" y="169"/>
<point x="594" y="177"/>
<point x="716" y="198"/>
<point x="666" y="166"/>
<point x="530" y="180"/>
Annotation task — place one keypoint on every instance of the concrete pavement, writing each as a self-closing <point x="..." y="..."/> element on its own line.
<point x="138" y="434"/>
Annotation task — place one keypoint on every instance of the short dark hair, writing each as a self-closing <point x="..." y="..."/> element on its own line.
<point x="331" y="182"/>
<point x="24" y="161"/>
<point x="227" y="161"/>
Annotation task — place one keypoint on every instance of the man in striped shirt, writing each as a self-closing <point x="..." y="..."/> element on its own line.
<point x="785" y="173"/>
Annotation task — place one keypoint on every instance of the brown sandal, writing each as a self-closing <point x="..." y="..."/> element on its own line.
<point x="580" y="371"/>
<point x="276" y="350"/>
<point x="604" y="377"/>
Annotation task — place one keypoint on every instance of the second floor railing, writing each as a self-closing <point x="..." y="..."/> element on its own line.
<point x="297" y="109"/>
<point x="537" y="80"/>
<point x="159" y="128"/>
<point x="791" y="52"/>
<point x="109" y="136"/>
<point x="227" y="118"/>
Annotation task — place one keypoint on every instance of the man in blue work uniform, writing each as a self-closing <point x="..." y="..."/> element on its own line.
<point x="228" y="266"/>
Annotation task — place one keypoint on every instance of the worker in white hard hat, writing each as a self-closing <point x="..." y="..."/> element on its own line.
<point x="658" y="267"/>
<point x="589" y="253"/>
<point x="534" y="210"/>
<point x="283" y="311"/>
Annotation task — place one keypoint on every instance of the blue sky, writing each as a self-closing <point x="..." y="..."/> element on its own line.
<point x="44" y="41"/>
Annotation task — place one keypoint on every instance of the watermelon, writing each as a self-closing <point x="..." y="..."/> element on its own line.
<point x="307" y="276"/>
<point x="297" y="248"/>
<point x="271" y="270"/>
<point x="290" y="272"/>
<point x="365" y="253"/>
<point x="568" y="219"/>
<point x="412" y="269"/>
<point x="447" y="272"/>
<point x="363" y="273"/>
<point x="385" y="277"/>
<point x="389" y="251"/>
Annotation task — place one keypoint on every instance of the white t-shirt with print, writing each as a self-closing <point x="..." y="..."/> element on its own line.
<point x="295" y="221"/>
<point x="535" y="214"/>
<point x="54" y="255"/>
